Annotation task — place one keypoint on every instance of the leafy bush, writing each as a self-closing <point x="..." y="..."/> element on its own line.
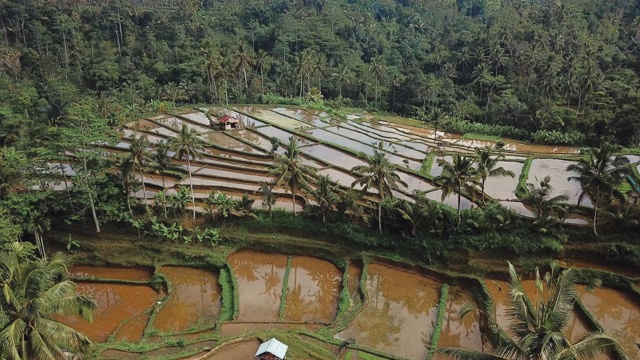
<point x="463" y="127"/>
<point x="555" y="137"/>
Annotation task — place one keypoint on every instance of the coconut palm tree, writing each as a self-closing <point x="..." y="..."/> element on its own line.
<point x="380" y="174"/>
<point x="539" y="323"/>
<point x="414" y="213"/>
<point x="34" y="291"/>
<point x="188" y="145"/>
<point x="487" y="167"/>
<point x="378" y="70"/>
<point x="599" y="173"/>
<point x="539" y="197"/>
<point x="138" y="155"/>
<point x="325" y="195"/>
<point x="244" y="58"/>
<point x="268" y="197"/>
<point x="291" y="172"/>
<point x="457" y="176"/>
<point x="436" y="116"/>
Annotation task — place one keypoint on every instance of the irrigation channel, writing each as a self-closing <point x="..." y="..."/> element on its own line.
<point x="389" y="310"/>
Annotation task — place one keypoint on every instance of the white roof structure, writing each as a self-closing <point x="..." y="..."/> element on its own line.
<point x="274" y="347"/>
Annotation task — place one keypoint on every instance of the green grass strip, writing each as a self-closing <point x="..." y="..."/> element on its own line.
<point x="427" y="164"/>
<point x="236" y="292"/>
<point x="524" y="175"/>
<point x="227" y="302"/>
<point x="345" y="297"/>
<point x="437" y="329"/>
<point x="285" y="290"/>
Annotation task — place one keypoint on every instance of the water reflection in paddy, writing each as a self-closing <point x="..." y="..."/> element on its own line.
<point x="312" y="291"/>
<point x="504" y="187"/>
<point x="116" y="303"/>
<point x="273" y="117"/>
<point x="260" y="278"/>
<point x="194" y="300"/>
<point x="618" y="314"/>
<point x="500" y="293"/>
<point x="457" y="332"/>
<point x="301" y="115"/>
<point x="557" y="170"/>
<point x="336" y="139"/>
<point x="399" y="316"/>
<point x="332" y="156"/>
<point x="254" y="138"/>
<point x="228" y="142"/>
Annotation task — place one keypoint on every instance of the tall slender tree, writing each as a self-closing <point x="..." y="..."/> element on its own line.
<point x="378" y="173"/>
<point x="599" y="172"/>
<point x="325" y="195"/>
<point x="291" y="172"/>
<point x="457" y="176"/>
<point x="487" y="166"/>
<point x="188" y="145"/>
<point x="138" y="154"/>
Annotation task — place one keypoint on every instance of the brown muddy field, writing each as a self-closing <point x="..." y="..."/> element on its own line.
<point x="194" y="300"/>
<point x="313" y="290"/>
<point x="260" y="279"/>
<point x="399" y="316"/>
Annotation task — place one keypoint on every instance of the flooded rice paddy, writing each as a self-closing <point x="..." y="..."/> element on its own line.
<point x="557" y="170"/>
<point x="397" y="318"/>
<point x="400" y="313"/>
<point x="194" y="300"/>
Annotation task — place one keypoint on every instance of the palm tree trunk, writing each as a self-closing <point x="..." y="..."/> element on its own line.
<point x="91" y="203"/>
<point x="64" y="177"/>
<point x="246" y="84"/>
<point x="459" y="196"/>
<point x="380" y="215"/>
<point x="144" y="188"/>
<point x="483" y="181"/>
<point x="595" y="213"/>
<point x="193" y="196"/>
<point x="293" y="200"/>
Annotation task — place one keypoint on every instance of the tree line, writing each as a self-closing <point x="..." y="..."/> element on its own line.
<point x="546" y="71"/>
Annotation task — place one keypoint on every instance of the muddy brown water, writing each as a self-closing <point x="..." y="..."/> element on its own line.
<point x="273" y="117"/>
<point x="246" y="175"/>
<point x="499" y="290"/>
<point x="459" y="332"/>
<point x="194" y="301"/>
<point x="120" y="273"/>
<point x="313" y="290"/>
<point x="399" y="315"/>
<point x="353" y="281"/>
<point x="235" y="329"/>
<point x="582" y="264"/>
<point x="254" y="138"/>
<point x="617" y="313"/>
<point x="260" y="278"/>
<point x="116" y="303"/>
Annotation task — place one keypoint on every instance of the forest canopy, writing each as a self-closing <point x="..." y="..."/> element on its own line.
<point x="548" y="71"/>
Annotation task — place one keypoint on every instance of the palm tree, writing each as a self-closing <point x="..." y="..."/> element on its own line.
<point x="138" y="154"/>
<point x="160" y="160"/>
<point x="539" y="197"/>
<point x="188" y="145"/>
<point x="263" y="62"/>
<point x="413" y="213"/>
<point x="34" y="291"/>
<point x="380" y="174"/>
<point x="268" y="197"/>
<point x="457" y="176"/>
<point x="538" y="324"/>
<point x="599" y="173"/>
<point x="487" y="167"/>
<point x="291" y="172"/>
<point x="244" y="58"/>
<point x="342" y="75"/>
<point x="325" y="195"/>
<point x="435" y="117"/>
<point x="378" y="70"/>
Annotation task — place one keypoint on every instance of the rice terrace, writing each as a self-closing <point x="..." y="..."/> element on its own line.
<point x="319" y="179"/>
<point x="367" y="306"/>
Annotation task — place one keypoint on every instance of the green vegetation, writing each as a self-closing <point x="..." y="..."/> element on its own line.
<point x="228" y="304"/>
<point x="437" y="328"/>
<point x="285" y="291"/>
<point x="538" y="322"/>
<point x="34" y="290"/>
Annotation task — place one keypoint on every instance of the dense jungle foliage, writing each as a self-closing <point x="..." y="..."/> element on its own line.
<point x="563" y="72"/>
<point x="71" y="72"/>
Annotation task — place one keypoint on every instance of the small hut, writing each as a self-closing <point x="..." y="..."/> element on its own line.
<point x="271" y="350"/>
<point x="228" y="122"/>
